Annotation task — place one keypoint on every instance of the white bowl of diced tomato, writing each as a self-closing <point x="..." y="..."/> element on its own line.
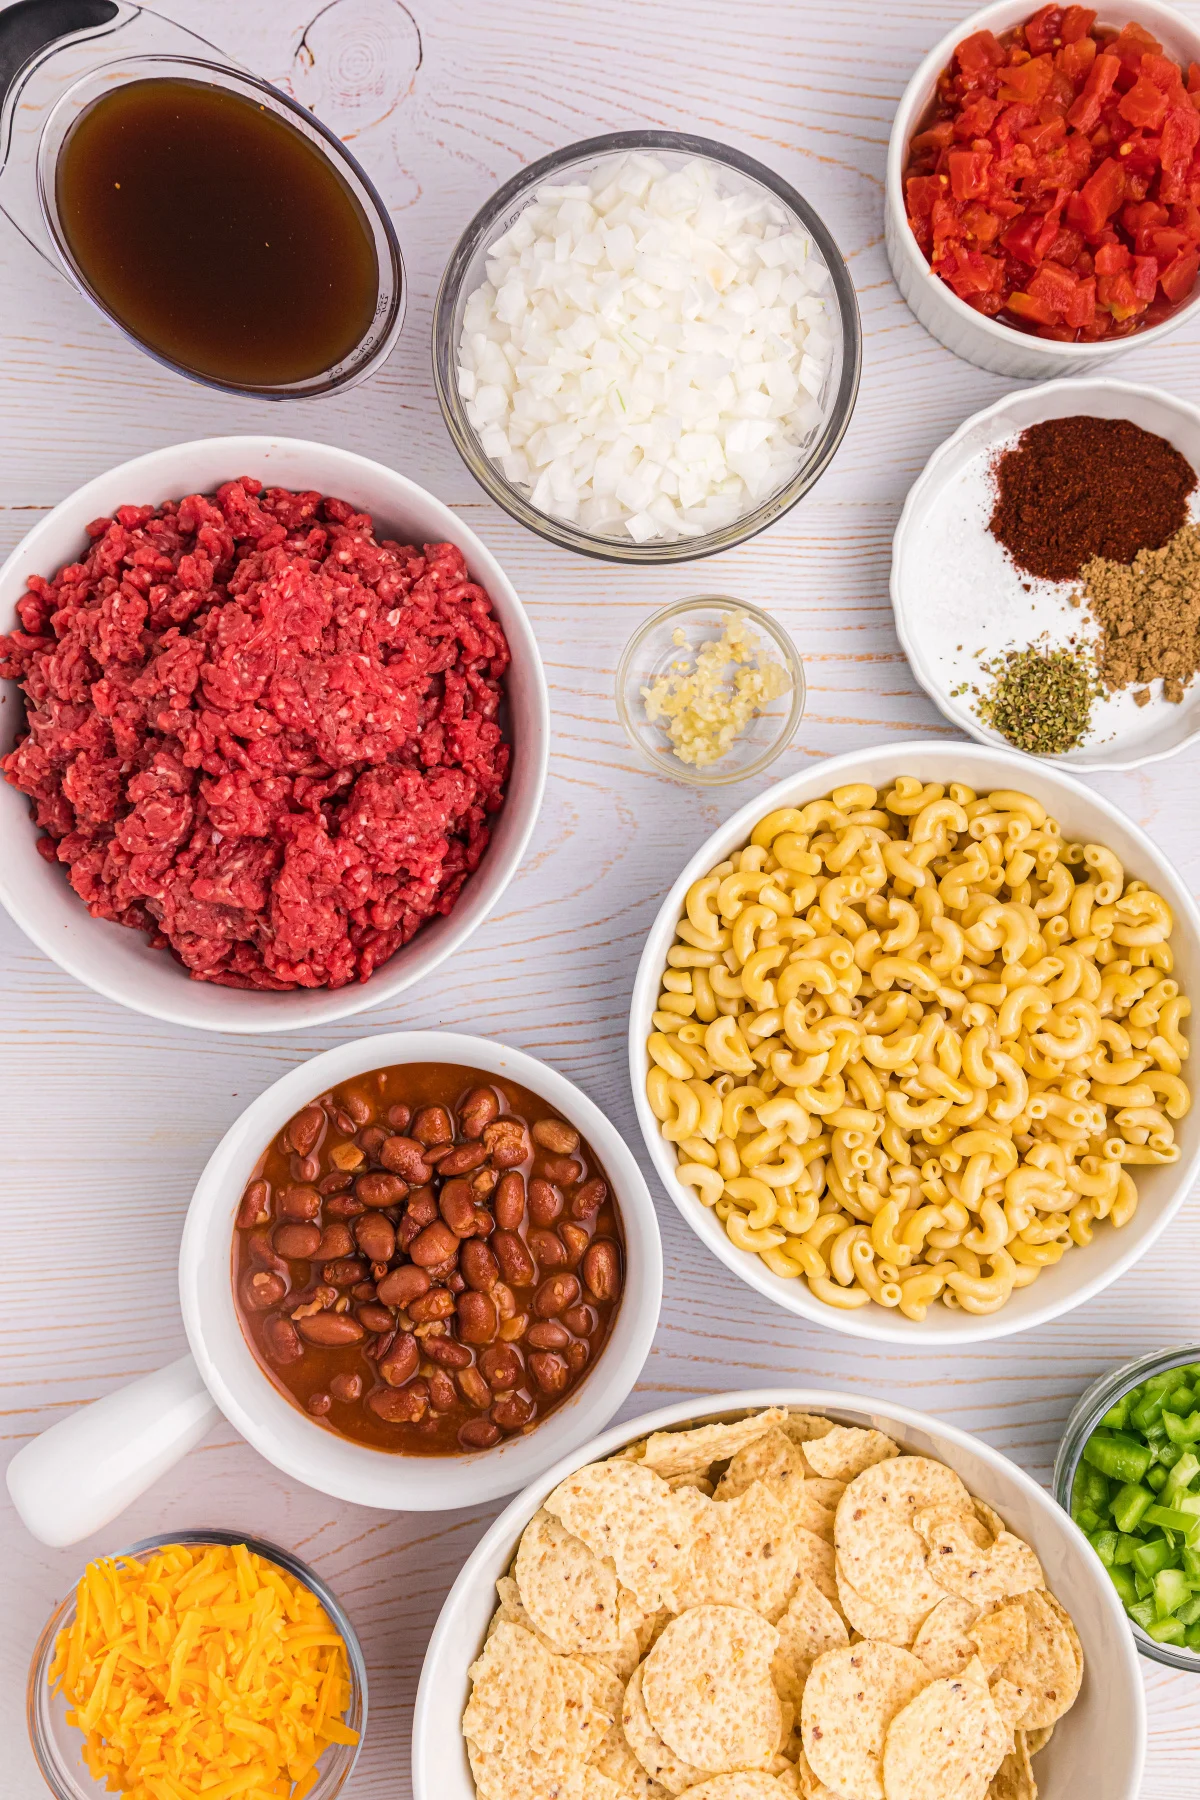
<point x="1043" y="184"/>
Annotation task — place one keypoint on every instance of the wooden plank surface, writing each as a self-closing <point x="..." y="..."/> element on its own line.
<point x="109" y="1117"/>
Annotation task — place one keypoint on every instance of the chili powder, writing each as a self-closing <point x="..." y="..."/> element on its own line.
<point x="1077" y="488"/>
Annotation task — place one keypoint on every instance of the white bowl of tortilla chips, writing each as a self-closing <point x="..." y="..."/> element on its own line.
<point x="735" y="1601"/>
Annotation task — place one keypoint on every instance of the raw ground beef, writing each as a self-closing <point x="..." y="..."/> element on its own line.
<point x="260" y="734"/>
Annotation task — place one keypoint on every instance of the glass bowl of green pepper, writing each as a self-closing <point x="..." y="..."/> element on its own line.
<point x="1128" y="1472"/>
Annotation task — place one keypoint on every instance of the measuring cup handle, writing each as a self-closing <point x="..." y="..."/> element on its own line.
<point x="32" y="25"/>
<point x="82" y="1472"/>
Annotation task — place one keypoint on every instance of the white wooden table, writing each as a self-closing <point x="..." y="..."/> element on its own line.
<point x="109" y="1117"/>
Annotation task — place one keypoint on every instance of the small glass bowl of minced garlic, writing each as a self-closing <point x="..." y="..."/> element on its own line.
<point x="710" y="690"/>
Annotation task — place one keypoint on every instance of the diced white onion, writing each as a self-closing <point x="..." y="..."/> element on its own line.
<point x="650" y="354"/>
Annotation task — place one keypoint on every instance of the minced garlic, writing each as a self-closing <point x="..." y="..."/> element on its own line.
<point x="700" y="709"/>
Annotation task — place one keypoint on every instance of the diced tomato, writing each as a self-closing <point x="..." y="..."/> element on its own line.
<point x="977" y="118"/>
<point x="1043" y="28"/>
<point x="1037" y="311"/>
<point x="1020" y="238"/>
<point x="1112" y="258"/>
<point x="968" y="173"/>
<point x="1099" y="197"/>
<point x="938" y="137"/>
<point x="972" y="273"/>
<point x="921" y="192"/>
<point x="1179" y="276"/>
<point x="1145" y="105"/>
<point x="1057" y="180"/>
<point x="1058" y="290"/>
<point x="1048" y="233"/>
<point x="1131" y="44"/>
<point x="1028" y="82"/>
<point x="979" y="54"/>
<point x="1043" y="137"/>
<point x="1101" y="77"/>
<point x="1077" y="23"/>
<point x="1116" y="293"/>
<point x="1075" y="59"/>
<point x="981" y="225"/>
<point x="1145" y="277"/>
<point x="1165" y="244"/>
<point x="1165" y="75"/>
<point x="1179" y="136"/>
<point x="1083" y="306"/>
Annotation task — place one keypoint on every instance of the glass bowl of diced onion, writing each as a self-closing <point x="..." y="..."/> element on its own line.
<point x="710" y="690"/>
<point x="58" y="1745"/>
<point x="662" y="434"/>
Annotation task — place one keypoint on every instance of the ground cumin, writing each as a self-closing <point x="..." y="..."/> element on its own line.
<point x="1074" y="489"/>
<point x="1149" y="616"/>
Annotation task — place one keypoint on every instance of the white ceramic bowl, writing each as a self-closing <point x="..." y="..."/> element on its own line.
<point x="968" y="333"/>
<point x="1097" y="1749"/>
<point x="942" y="546"/>
<point x="118" y="962"/>
<point x="82" y="1472"/>
<point x="1085" y="816"/>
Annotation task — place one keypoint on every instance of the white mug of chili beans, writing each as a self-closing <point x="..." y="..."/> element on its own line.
<point x="250" y="1279"/>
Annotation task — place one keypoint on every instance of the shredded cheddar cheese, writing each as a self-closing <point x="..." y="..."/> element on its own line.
<point x="203" y="1673"/>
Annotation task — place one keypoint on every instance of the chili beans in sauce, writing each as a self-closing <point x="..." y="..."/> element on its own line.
<point x="427" y="1259"/>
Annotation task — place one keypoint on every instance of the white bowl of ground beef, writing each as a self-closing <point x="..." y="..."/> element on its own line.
<point x="324" y="829"/>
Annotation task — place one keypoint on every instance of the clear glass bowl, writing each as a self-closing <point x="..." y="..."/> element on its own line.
<point x="1087" y="1413"/>
<point x="467" y="269"/>
<point x="57" y="1745"/>
<point x="381" y="333"/>
<point x="651" y="652"/>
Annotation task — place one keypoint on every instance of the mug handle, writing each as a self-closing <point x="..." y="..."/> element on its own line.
<point x="77" y="1476"/>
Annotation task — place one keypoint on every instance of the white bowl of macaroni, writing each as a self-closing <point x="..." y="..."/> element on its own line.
<point x="908" y="1043"/>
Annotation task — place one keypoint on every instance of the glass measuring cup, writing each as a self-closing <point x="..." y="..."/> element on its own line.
<point x="59" y="57"/>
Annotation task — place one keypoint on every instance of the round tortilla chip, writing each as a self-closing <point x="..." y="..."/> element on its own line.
<point x="617" y="1761"/>
<point x="889" y="1624"/>
<point x="1068" y="1624"/>
<point x="745" y="1556"/>
<point x="850" y="1699"/>
<point x="817" y="1560"/>
<point x="1014" y="1780"/>
<point x="570" y="1595"/>
<point x="499" y="1778"/>
<point x="1000" y="1634"/>
<point x="946" y="1744"/>
<point x="803" y="1426"/>
<point x="694" y="1452"/>
<point x="880" y="1553"/>
<point x="942" y="1642"/>
<point x="1050" y="1668"/>
<point x="808" y="1628"/>
<point x="627" y="1515"/>
<point x="708" y="1689"/>
<point x="1038" y="1739"/>
<point x="528" y="1702"/>
<point x="847" y="1450"/>
<point x="966" y="1561"/>
<point x="656" y="1757"/>
<point x="772" y="1459"/>
<point x="740" y="1784"/>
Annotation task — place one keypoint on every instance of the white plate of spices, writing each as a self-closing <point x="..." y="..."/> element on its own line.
<point x="1046" y="574"/>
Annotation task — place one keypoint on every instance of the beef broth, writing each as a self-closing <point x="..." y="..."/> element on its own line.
<point x="216" y="233"/>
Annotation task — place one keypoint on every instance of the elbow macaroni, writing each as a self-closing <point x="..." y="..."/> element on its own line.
<point x="910" y="1044"/>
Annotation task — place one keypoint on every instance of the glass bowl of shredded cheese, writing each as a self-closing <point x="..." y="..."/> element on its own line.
<point x="710" y="690"/>
<point x="204" y="1661"/>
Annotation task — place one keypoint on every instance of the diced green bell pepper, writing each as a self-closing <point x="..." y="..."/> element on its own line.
<point x="1151" y="1558"/>
<point x="1130" y="1505"/>
<point x="1166" y="1631"/>
<point x="1171" y="1590"/>
<point x="1117" y="1455"/>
